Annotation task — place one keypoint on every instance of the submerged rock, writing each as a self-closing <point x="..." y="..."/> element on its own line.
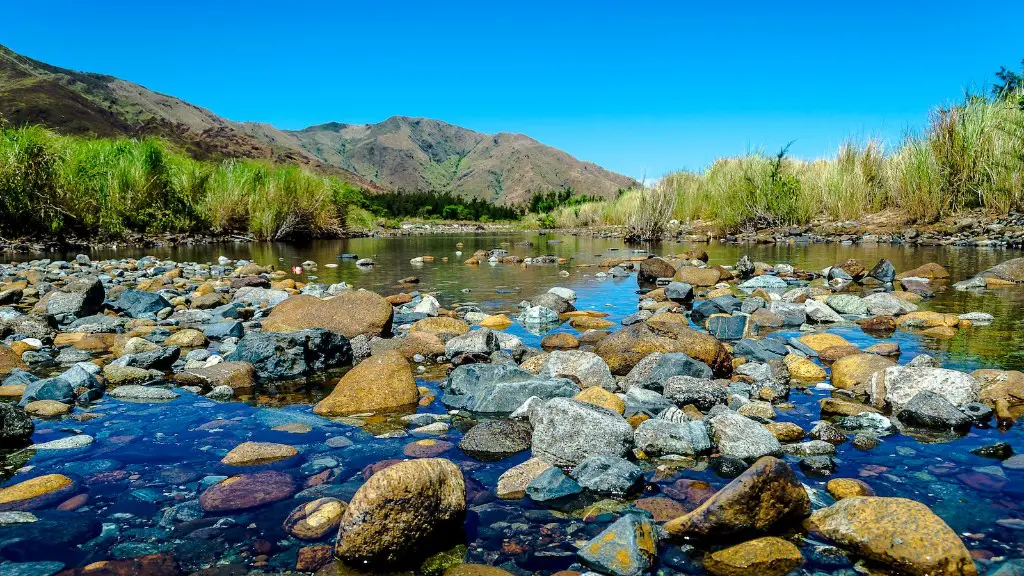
<point x="898" y="533"/>
<point x="247" y="491"/>
<point x="628" y="547"/>
<point x="493" y="440"/>
<point x="768" y="556"/>
<point x="402" y="513"/>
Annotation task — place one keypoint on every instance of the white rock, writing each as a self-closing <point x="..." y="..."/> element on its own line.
<point x="68" y="443"/>
<point x="897" y="385"/>
<point x="564" y="293"/>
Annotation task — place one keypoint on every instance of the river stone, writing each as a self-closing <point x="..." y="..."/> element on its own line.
<point x="494" y="440"/>
<point x="37" y="492"/>
<point x="350" y="313"/>
<point x="239" y="376"/>
<point x="897" y="385"/>
<point x="379" y="383"/>
<point x="606" y="474"/>
<point x="854" y="372"/>
<point x="553" y="302"/>
<point x="628" y="547"/>
<point x="66" y="443"/>
<point x="702" y="393"/>
<point x="403" y="512"/>
<point x="247" y="491"/>
<point x="9" y="360"/>
<point x="255" y="453"/>
<point x="841" y="488"/>
<point x="500" y="388"/>
<point x="766" y="495"/>
<point x="147" y="393"/>
<point x="16" y="426"/>
<point x="697" y="277"/>
<point x="821" y="313"/>
<point x="930" y="410"/>
<point x="314" y="520"/>
<point x="82" y="297"/>
<point x="623" y="349"/>
<point x="653" y="268"/>
<point x="679" y="292"/>
<point x="741" y="437"/>
<point x="566" y="432"/>
<point x="277" y="355"/>
<point x="585" y="367"/>
<point x="482" y="341"/>
<point x="768" y="556"/>
<point x="139" y="304"/>
<point x="848" y="304"/>
<point x="513" y="482"/>
<point x="884" y="272"/>
<point x="900" y="534"/>
<point x="668" y="366"/>
<point x="187" y="338"/>
<point x="765" y="281"/>
<point x="657" y="437"/>
<point x="553" y="486"/>
<point x="886" y="304"/>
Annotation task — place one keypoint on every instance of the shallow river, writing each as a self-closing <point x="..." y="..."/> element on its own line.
<point x="148" y="458"/>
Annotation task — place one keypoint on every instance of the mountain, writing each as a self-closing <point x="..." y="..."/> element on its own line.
<point x="398" y="154"/>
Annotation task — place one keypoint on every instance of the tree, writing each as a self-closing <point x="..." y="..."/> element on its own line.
<point x="1009" y="84"/>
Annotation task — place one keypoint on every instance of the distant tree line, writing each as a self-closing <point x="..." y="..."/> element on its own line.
<point x="545" y="202"/>
<point x="444" y="205"/>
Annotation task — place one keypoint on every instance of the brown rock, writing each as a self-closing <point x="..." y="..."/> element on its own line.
<point x="766" y="495"/>
<point x="822" y="340"/>
<point x="998" y="385"/>
<point x="379" y="383"/>
<point x="47" y="408"/>
<point x="9" y="360"/>
<point x="786" y="431"/>
<point x="653" y="268"/>
<point x="583" y="323"/>
<point x="697" y="277"/>
<point x="314" y="520"/>
<point x="878" y="324"/>
<point x="161" y="564"/>
<point x="842" y="407"/>
<point x="559" y="341"/>
<point x="600" y="397"/>
<point x="623" y="349"/>
<point x="247" y="491"/>
<point x="475" y="570"/>
<point x="254" y="453"/>
<point x="513" y="482"/>
<point x="312" y="558"/>
<point x="897" y="533"/>
<point x="443" y="327"/>
<point x="402" y="512"/>
<point x="769" y="556"/>
<point x="661" y="508"/>
<point x="353" y="312"/>
<point x="187" y="338"/>
<point x="929" y="270"/>
<point x="923" y="319"/>
<point x="832" y="353"/>
<point x="240" y="376"/>
<point x="841" y="488"/>
<point x="427" y="344"/>
<point x="854" y="372"/>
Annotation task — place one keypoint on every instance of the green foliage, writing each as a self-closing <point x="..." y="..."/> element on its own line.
<point x="542" y="203"/>
<point x="1009" y="83"/>
<point x="434" y="205"/>
<point x="547" y="221"/>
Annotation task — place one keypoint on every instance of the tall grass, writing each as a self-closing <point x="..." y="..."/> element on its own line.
<point x="60" y="184"/>
<point x="969" y="156"/>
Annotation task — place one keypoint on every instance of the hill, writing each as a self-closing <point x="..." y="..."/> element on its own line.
<point x="400" y="153"/>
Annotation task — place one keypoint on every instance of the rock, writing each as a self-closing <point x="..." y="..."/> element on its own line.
<point x="255" y="453"/>
<point x="16" y="426"/>
<point x="897" y="533"/>
<point x="239" y="376"/>
<point x="277" y="355"/>
<point x="493" y="440"/>
<point x="482" y="341"/>
<point x="885" y="304"/>
<point x="848" y="304"/>
<point x="538" y="315"/>
<point x="679" y="292"/>
<point x="657" y="437"/>
<point x="144" y="393"/>
<point x="930" y="270"/>
<point x="897" y="385"/>
<point x="605" y="474"/>
<point x="500" y="388"/>
<point x="379" y="383"/>
<point x="841" y="488"/>
<point x="930" y="410"/>
<point x="552" y="486"/>
<point x="854" y="372"/>
<point x="821" y="313"/>
<point x="585" y="367"/>
<point x="124" y="375"/>
<point x="513" y="482"/>
<point x="867" y="422"/>
<point x="444" y="327"/>
<point x="57" y="389"/>
<point x="803" y="369"/>
<point x="477" y="570"/>
<point x="350" y="313"/>
<point x="553" y="302"/>
<point x="36" y="492"/>
<point x="602" y="398"/>
<point x="314" y="520"/>
<point x="768" y="556"/>
<point x="628" y="547"/>
<point x="741" y="437"/>
<point x="9" y="361"/>
<point x="247" y="491"/>
<point x="791" y="314"/>
<point x="819" y="341"/>
<point x="138" y="304"/>
<point x="560" y="341"/>
<point x="697" y="277"/>
<point x="566" y="294"/>
<point x="884" y="272"/>
<point x="566" y="432"/>
<point x="766" y="282"/>
<point x="726" y="327"/>
<point x="664" y="367"/>
<point x="786" y="431"/>
<point x="187" y="338"/>
<point x="653" y="268"/>
<point x="77" y="299"/>
<point x="622" y="350"/>
<point x="402" y="513"/>
<point x="768" y="494"/>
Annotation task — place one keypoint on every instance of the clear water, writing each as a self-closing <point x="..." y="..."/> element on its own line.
<point x="149" y="457"/>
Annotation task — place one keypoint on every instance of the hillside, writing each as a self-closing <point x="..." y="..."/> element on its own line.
<point x="399" y="153"/>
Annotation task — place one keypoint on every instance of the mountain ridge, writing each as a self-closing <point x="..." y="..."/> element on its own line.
<point x="400" y="153"/>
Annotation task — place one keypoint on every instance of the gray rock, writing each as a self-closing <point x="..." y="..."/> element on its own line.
<point x="885" y="304"/>
<point x="494" y="440"/>
<point x="867" y="423"/>
<point x="741" y="437"/>
<point x="139" y="304"/>
<point x="480" y="341"/>
<point x="82" y="297"/>
<point x="659" y="437"/>
<point x="653" y="375"/>
<point x="226" y="329"/>
<point x="848" y="304"/>
<point x="930" y="410"/>
<point x="538" y="315"/>
<point x="552" y="485"/>
<point x="626" y="548"/>
<point x="810" y="448"/>
<point x="586" y="367"/>
<point x="553" y="302"/>
<point x="566" y="432"/>
<point x="701" y="392"/>
<point x="897" y="385"/>
<point x="643" y="401"/>
<point x="679" y="292"/>
<point x="821" y="313"/>
<point x="16" y="426"/>
<point x="610" y="475"/>
<point x="500" y="388"/>
<point x="884" y="272"/>
<point x="792" y="314"/>
<point x="765" y="281"/>
<point x="727" y="327"/>
<point x="278" y="355"/>
<point x="147" y="393"/>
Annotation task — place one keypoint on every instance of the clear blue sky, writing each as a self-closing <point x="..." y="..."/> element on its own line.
<point x="634" y="86"/>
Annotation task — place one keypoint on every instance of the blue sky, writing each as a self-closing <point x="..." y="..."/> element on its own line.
<point x="639" y="87"/>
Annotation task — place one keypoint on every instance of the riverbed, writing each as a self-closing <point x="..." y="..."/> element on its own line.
<point x="149" y="461"/>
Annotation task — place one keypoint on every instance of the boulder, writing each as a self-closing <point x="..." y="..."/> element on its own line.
<point x="848" y="304"/>
<point x="766" y="495"/>
<point x="628" y="547"/>
<point x="482" y="341"/>
<point x="350" y="313"/>
<point x="702" y="393"/>
<point x="554" y="302"/>
<point x="653" y="268"/>
<point x="493" y="440"/>
<point x="885" y="304"/>
<point x="741" y="437"/>
<point x="380" y="383"/>
<point x="566" y="432"/>
<point x="679" y="292"/>
<point x="697" y="277"/>
<point x="402" y="513"/>
<point x="768" y="556"/>
<point x="611" y="475"/>
<point x="513" y="482"/>
<point x="930" y="410"/>
<point x="77" y="299"/>
<point x="500" y="388"/>
<point x="279" y="355"/>
<point x="884" y="272"/>
<point x="854" y="372"/>
<point x="585" y="367"/>
<point x="657" y="437"/>
<point x="899" y="534"/>
<point x="897" y="385"/>
<point x="239" y="376"/>
<point x="16" y="426"/>
<point x="10" y="360"/>
<point x="934" y="271"/>
<point x="553" y="486"/>
<point x="139" y="304"/>
<point x="247" y="491"/>
<point x="664" y="367"/>
<point x="255" y="453"/>
<point x="623" y="349"/>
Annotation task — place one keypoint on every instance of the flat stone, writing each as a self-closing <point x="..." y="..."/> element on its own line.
<point x="254" y="453"/>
